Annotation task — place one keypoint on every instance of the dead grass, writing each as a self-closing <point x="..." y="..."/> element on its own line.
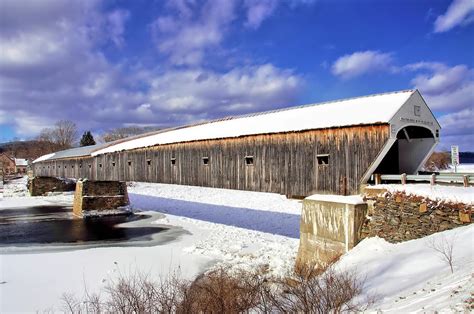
<point x="225" y="290"/>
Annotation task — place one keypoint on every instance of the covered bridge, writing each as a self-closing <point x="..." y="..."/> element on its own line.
<point x="332" y="147"/>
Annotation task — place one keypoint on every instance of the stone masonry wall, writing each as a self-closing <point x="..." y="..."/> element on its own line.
<point x="94" y="198"/>
<point x="39" y="186"/>
<point x="400" y="217"/>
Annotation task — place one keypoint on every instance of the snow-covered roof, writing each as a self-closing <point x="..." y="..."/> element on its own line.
<point x="70" y="153"/>
<point x="373" y="109"/>
<point x="21" y="162"/>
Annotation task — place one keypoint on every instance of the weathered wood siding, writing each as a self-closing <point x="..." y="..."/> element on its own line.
<point x="283" y="163"/>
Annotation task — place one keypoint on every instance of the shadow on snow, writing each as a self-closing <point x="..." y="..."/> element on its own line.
<point x="264" y="221"/>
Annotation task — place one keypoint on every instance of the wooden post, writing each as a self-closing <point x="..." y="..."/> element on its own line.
<point x="378" y="179"/>
<point x="465" y="180"/>
<point x="433" y="179"/>
<point x="404" y="178"/>
<point x="344" y="186"/>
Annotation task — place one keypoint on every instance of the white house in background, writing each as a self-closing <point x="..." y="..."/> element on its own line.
<point x="20" y="165"/>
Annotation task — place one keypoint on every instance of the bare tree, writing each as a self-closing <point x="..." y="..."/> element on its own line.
<point x="65" y="133"/>
<point x="445" y="248"/>
<point x="62" y="136"/>
<point x="119" y="133"/>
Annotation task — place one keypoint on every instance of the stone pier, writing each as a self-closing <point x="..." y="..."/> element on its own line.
<point x="39" y="186"/>
<point x="330" y="226"/>
<point x="98" y="198"/>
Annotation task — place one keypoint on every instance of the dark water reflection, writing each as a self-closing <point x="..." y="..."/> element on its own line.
<point x="57" y="225"/>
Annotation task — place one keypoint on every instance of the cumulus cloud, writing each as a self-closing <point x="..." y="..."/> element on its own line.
<point x="52" y="68"/>
<point x="360" y="63"/>
<point x="449" y="91"/>
<point x="458" y="129"/>
<point x="460" y="12"/>
<point x="188" y="31"/>
<point x="116" y="26"/>
<point x="213" y="94"/>
<point x="445" y="88"/>
<point x="258" y="10"/>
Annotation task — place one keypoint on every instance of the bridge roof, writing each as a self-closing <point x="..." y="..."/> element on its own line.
<point x="366" y="110"/>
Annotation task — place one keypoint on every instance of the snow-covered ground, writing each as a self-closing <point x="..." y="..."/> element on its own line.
<point x="412" y="277"/>
<point x="242" y="229"/>
<point x="455" y="194"/>
<point x="462" y="168"/>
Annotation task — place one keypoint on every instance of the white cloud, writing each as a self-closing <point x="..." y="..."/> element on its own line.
<point x="458" y="129"/>
<point x="184" y="35"/>
<point x="258" y="10"/>
<point x="460" y="12"/>
<point x="442" y="80"/>
<point x="361" y="62"/>
<point x="116" y="26"/>
<point x="189" y="29"/>
<point x="445" y="88"/>
<point x="451" y="122"/>
<point x="52" y="68"/>
<point x="448" y="91"/>
<point x="210" y="94"/>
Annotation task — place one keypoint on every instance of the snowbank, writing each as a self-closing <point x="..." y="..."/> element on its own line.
<point x="411" y="276"/>
<point x="455" y="194"/>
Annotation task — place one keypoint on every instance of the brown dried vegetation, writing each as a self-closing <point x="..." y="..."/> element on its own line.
<point x="224" y="290"/>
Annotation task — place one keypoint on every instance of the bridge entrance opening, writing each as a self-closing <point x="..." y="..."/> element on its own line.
<point x="408" y="152"/>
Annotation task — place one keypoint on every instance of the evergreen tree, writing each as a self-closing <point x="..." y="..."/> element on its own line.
<point x="87" y="139"/>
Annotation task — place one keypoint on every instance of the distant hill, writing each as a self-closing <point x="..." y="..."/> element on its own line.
<point x="27" y="149"/>
<point x="466" y="157"/>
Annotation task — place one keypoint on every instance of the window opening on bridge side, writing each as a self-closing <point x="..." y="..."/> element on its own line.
<point x="249" y="160"/>
<point x="173" y="161"/>
<point x="148" y="162"/>
<point x="129" y="162"/>
<point x="323" y="159"/>
<point x="205" y="161"/>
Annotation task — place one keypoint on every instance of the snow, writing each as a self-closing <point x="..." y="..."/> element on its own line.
<point x="411" y="276"/>
<point x="21" y="162"/>
<point x="237" y="228"/>
<point x="363" y="110"/>
<point x="351" y="199"/>
<point x="44" y="157"/>
<point x="462" y="168"/>
<point x="454" y="194"/>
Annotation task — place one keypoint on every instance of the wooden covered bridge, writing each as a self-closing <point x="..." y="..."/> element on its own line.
<point x="332" y="147"/>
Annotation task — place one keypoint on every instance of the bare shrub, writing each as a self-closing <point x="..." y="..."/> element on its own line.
<point x="313" y="290"/>
<point x="438" y="161"/>
<point x="445" y="248"/>
<point x="222" y="291"/>
<point x="310" y="290"/>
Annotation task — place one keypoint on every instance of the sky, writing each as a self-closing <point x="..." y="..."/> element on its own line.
<point x="115" y="63"/>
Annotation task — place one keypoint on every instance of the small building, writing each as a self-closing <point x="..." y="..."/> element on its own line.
<point x="20" y="165"/>
<point x="333" y="147"/>
<point x="7" y="164"/>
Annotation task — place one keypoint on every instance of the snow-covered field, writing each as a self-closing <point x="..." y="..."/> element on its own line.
<point x="242" y="229"/>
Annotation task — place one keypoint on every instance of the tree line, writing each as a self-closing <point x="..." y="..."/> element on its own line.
<point x="64" y="135"/>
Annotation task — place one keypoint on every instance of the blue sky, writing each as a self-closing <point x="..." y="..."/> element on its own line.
<point x="107" y="64"/>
